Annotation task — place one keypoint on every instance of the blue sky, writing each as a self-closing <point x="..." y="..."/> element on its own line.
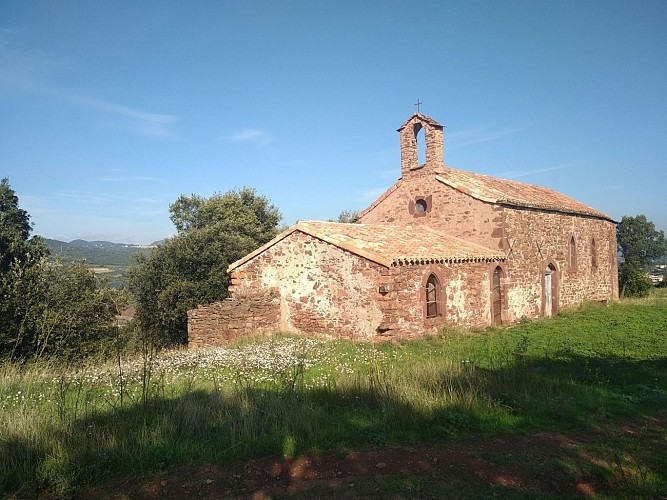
<point x="110" y="110"/>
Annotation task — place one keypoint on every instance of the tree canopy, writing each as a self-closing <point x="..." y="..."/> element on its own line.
<point x="242" y="212"/>
<point x="46" y="308"/>
<point x="639" y="241"/>
<point x="191" y="268"/>
<point x="13" y="219"/>
<point x="21" y="263"/>
<point x="16" y="247"/>
<point x="347" y="216"/>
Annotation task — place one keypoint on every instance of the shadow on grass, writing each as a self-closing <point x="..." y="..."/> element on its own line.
<point x="580" y="389"/>
<point x="218" y="427"/>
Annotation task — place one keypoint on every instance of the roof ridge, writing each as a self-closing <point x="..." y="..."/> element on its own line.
<point x="422" y="117"/>
<point x="498" y="190"/>
<point x="387" y="244"/>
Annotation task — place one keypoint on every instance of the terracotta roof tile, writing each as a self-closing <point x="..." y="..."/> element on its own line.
<point x="502" y="191"/>
<point x="388" y="245"/>
<point x="423" y="117"/>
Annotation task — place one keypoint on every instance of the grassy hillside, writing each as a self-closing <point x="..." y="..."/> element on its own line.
<point x="593" y="370"/>
<point x="109" y="260"/>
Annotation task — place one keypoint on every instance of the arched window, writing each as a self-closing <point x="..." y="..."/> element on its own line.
<point x="420" y="144"/>
<point x="572" y="254"/>
<point x="432" y="287"/>
<point x="550" y="291"/>
<point x="497" y="297"/>
<point x="594" y="254"/>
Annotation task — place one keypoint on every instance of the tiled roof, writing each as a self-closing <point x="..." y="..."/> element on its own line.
<point x="388" y="245"/>
<point x="422" y="117"/>
<point x="501" y="191"/>
<point x="506" y="192"/>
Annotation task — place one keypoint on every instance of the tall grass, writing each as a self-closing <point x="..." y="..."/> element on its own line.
<point x="65" y="427"/>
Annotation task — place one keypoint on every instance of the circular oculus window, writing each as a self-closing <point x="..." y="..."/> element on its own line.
<point x="421" y="206"/>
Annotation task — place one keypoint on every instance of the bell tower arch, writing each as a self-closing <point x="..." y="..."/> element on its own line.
<point x="432" y="135"/>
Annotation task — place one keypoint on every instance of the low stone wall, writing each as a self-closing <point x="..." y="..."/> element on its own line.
<point x="246" y="313"/>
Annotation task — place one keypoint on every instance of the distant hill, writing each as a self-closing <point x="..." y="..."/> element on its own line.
<point x="106" y="259"/>
<point x="97" y="253"/>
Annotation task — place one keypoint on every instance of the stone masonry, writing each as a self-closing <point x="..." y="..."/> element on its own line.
<point x="530" y="238"/>
<point x="440" y="247"/>
<point x="249" y="313"/>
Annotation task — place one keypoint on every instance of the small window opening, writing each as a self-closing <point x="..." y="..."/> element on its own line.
<point x="497" y="297"/>
<point x="421" y="206"/>
<point x="573" y="253"/>
<point x="594" y="254"/>
<point x="548" y="291"/>
<point x="432" y="296"/>
<point x="420" y="140"/>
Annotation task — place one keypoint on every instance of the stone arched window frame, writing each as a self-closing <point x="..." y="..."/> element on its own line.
<point x="572" y="253"/>
<point x="420" y="149"/>
<point x="441" y="295"/>
<point x="594" y="254"/>
<point x="428" y="205"/>
<point x="504" y="287"/>
<point x="555" y="286"/>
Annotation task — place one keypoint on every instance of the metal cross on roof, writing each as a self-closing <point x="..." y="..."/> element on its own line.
<point x="419" y="103"/>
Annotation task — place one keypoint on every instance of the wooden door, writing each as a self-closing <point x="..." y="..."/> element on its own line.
<point x="547" y="293"/>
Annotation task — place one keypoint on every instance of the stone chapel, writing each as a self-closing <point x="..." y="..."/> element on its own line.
<point x="440" y="247"/>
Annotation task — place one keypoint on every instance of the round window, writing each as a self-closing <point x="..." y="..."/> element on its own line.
<point x="420" y="206"/>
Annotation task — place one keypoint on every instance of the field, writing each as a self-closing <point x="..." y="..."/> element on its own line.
<point x="110" y="261"/>
<point x="575" y="405"/>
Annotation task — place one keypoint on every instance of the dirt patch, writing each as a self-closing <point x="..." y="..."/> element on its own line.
<point x="268" y="477"/>
<point x="542" y="464"/>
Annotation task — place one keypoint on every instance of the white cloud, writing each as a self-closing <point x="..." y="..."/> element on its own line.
<point x="86" y="197"/>
<point x="21" y="71"/>
<point x="372" y="194"/>
<point x="516" y="174"/>
<point x="153" y="124"/>
<point x="249" y="135"/>
<point x="130" y="179"/>
<point x="465" y="138"/>
<point x="28" y="71"/>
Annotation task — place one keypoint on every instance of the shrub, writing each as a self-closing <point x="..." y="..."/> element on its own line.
<point x="633" y="281"/>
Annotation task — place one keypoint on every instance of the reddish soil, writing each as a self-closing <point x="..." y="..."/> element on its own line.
<point x="525" y="465"/>
<point x="268" y="477"/>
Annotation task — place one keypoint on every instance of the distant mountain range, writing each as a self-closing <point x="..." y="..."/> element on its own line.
<point x="98" y="253"/>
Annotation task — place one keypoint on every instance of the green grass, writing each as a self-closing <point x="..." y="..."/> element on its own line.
<point x="62" y="428"/>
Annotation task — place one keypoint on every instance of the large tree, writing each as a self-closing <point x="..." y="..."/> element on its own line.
<point x="640" y="244"/>
<point x="191" y="268"/>
<point x="46" y="308"/>
<point x="21" y="263"/>
<point x="16" y="246"/>
<point x="242" y="212"/>
<point x="639" y="241"/>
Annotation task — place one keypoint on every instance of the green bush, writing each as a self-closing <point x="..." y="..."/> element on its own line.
<point x="633" y="281"/>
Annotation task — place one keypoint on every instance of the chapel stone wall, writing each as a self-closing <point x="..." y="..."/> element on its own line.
<point x="323" y="289"/>
<point x="463" y="298"/>
<point x="450" y="211"/>
<point x="251" y="313"/>
<point x="536" y="238"/>
<point x="530" y="238"/>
